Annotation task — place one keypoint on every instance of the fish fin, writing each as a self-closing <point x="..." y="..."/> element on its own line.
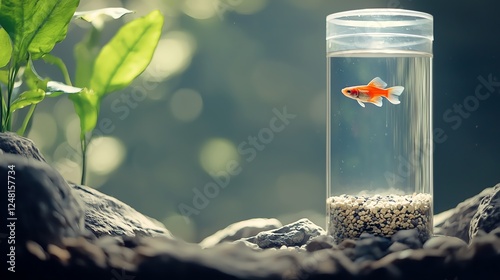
<point x="377" y="82"/>
<point x="377" y="101"/>
<point x="361" y="104"/>
<point x="393" y="94"/>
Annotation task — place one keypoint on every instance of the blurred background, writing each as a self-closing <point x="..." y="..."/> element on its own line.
<point x="220" y="69"/>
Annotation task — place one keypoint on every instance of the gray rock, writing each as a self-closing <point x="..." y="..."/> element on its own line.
<point x="240" y="230"/>
<point x="106" y="215"/>
<point x="11" y="143"/>
<point x="320" y="242"/>
<point x="371" y="248"/>
<point x="444" y="243"/>
<point x="457" y="223"/>
<point x="487" y="217"/>
<point x="44" y="205"/>
<point x="397" y="246"/>
<point x="294" y="234"/>
<point x="408" y="237"/>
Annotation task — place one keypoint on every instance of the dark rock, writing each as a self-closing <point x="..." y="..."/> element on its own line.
<point x="11" y="143"/>
<point x="457" y="222"/>
<point x="106" y="215"/>
<point x="320" y="242"/>
<point x="408" y="237"/>
<point x="487" y="217"/>
<point x="372" y="248"/>
<point x="347" y="243"/>
<point x="52" y="243"/>
<point x="240" y="230"/>
<point x="294" y="234"/>
<point x="45" y="206"/>
<point x="444" y="243"/>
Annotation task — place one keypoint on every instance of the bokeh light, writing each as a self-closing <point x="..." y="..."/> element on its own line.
<point x="186" y="105"/>
<point x="200" y="9"/>
<point x="247" y="7"/>
<point x="216" y="153"/>
<point x="43" y="130"/>
<point x="317" y="109"/>
<point x="172" y="56"/>
<point x="105" y="154"/>
<point x="180" y="226"/>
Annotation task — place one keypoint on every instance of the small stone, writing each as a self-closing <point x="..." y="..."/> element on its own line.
<point x="408" y="237"/>
<point x="444" y="243"/>
<point x="294" y="234"/>
<point x="320" y="242"/>
<point x="372" y="248"/>
<point x="242" y="229"/>
<point x="397" y="246"/>
<point x="347" y="243"/>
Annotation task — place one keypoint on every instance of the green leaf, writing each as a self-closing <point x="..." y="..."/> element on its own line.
<point x="86" y="104"/>
<point x="56" y="88"/>
<point x="127" y="55"/>
<point x="32" y="79"/>
<point x="54" y="60"/>
<point x="27" y="98"/>
<point x="5" y="48"/>
<point x="4" y="76"/>
<point x="85" y="53"/>
<point x="90" y="16"/>
<point x="36" y="26"/>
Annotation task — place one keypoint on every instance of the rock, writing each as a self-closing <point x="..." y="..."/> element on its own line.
<point x="320" y="242"/>
<point x="11" y="143"/>
<point x="371" y="248"/>
<point x="44" y="205"/>
<point x="240" y="230"/>
<point x="458" y="222"/>
<point x="397" y="246"/>
<point x="408" y="237"/>
<point x="294" y="234"/>
<point x="487" y="217"/>
<point x="106" y="215"/>
<point x="347" y="243"/>
<point x="444" y="243"/>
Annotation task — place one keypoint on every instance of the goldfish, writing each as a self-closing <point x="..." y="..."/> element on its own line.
<point x="373" y="93"/>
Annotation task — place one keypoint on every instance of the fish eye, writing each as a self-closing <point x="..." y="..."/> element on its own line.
<point x="348" y="91"/>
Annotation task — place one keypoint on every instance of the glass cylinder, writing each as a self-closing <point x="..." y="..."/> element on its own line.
<point x="379" y="123"/>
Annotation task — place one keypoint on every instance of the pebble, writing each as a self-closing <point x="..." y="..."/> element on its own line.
<point x="320" y="242"/>
<point x="351" y="216"/>
<point x="397" y="247"/>
<point x="444" y="243"/>
<point x="408" y="237"/>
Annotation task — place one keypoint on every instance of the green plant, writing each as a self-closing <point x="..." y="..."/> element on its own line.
<point x="29" y="31"/>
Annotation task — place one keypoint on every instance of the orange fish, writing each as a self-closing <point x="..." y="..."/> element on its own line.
<point x="373" y="93"/>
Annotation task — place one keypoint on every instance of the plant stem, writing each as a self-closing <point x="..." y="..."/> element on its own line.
<point x="83" y="144"/>
<point x="10" y="88"/>
<point x="1" y="110"/>
<point x="21" y="131"/>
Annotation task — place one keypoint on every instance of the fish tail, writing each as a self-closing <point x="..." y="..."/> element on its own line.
<point x="393" y="94"/>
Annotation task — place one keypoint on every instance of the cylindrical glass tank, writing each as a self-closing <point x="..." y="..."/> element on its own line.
<point x="379" y="123"/>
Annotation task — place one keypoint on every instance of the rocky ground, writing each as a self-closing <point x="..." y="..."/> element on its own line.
<point x="67" y="231"/>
